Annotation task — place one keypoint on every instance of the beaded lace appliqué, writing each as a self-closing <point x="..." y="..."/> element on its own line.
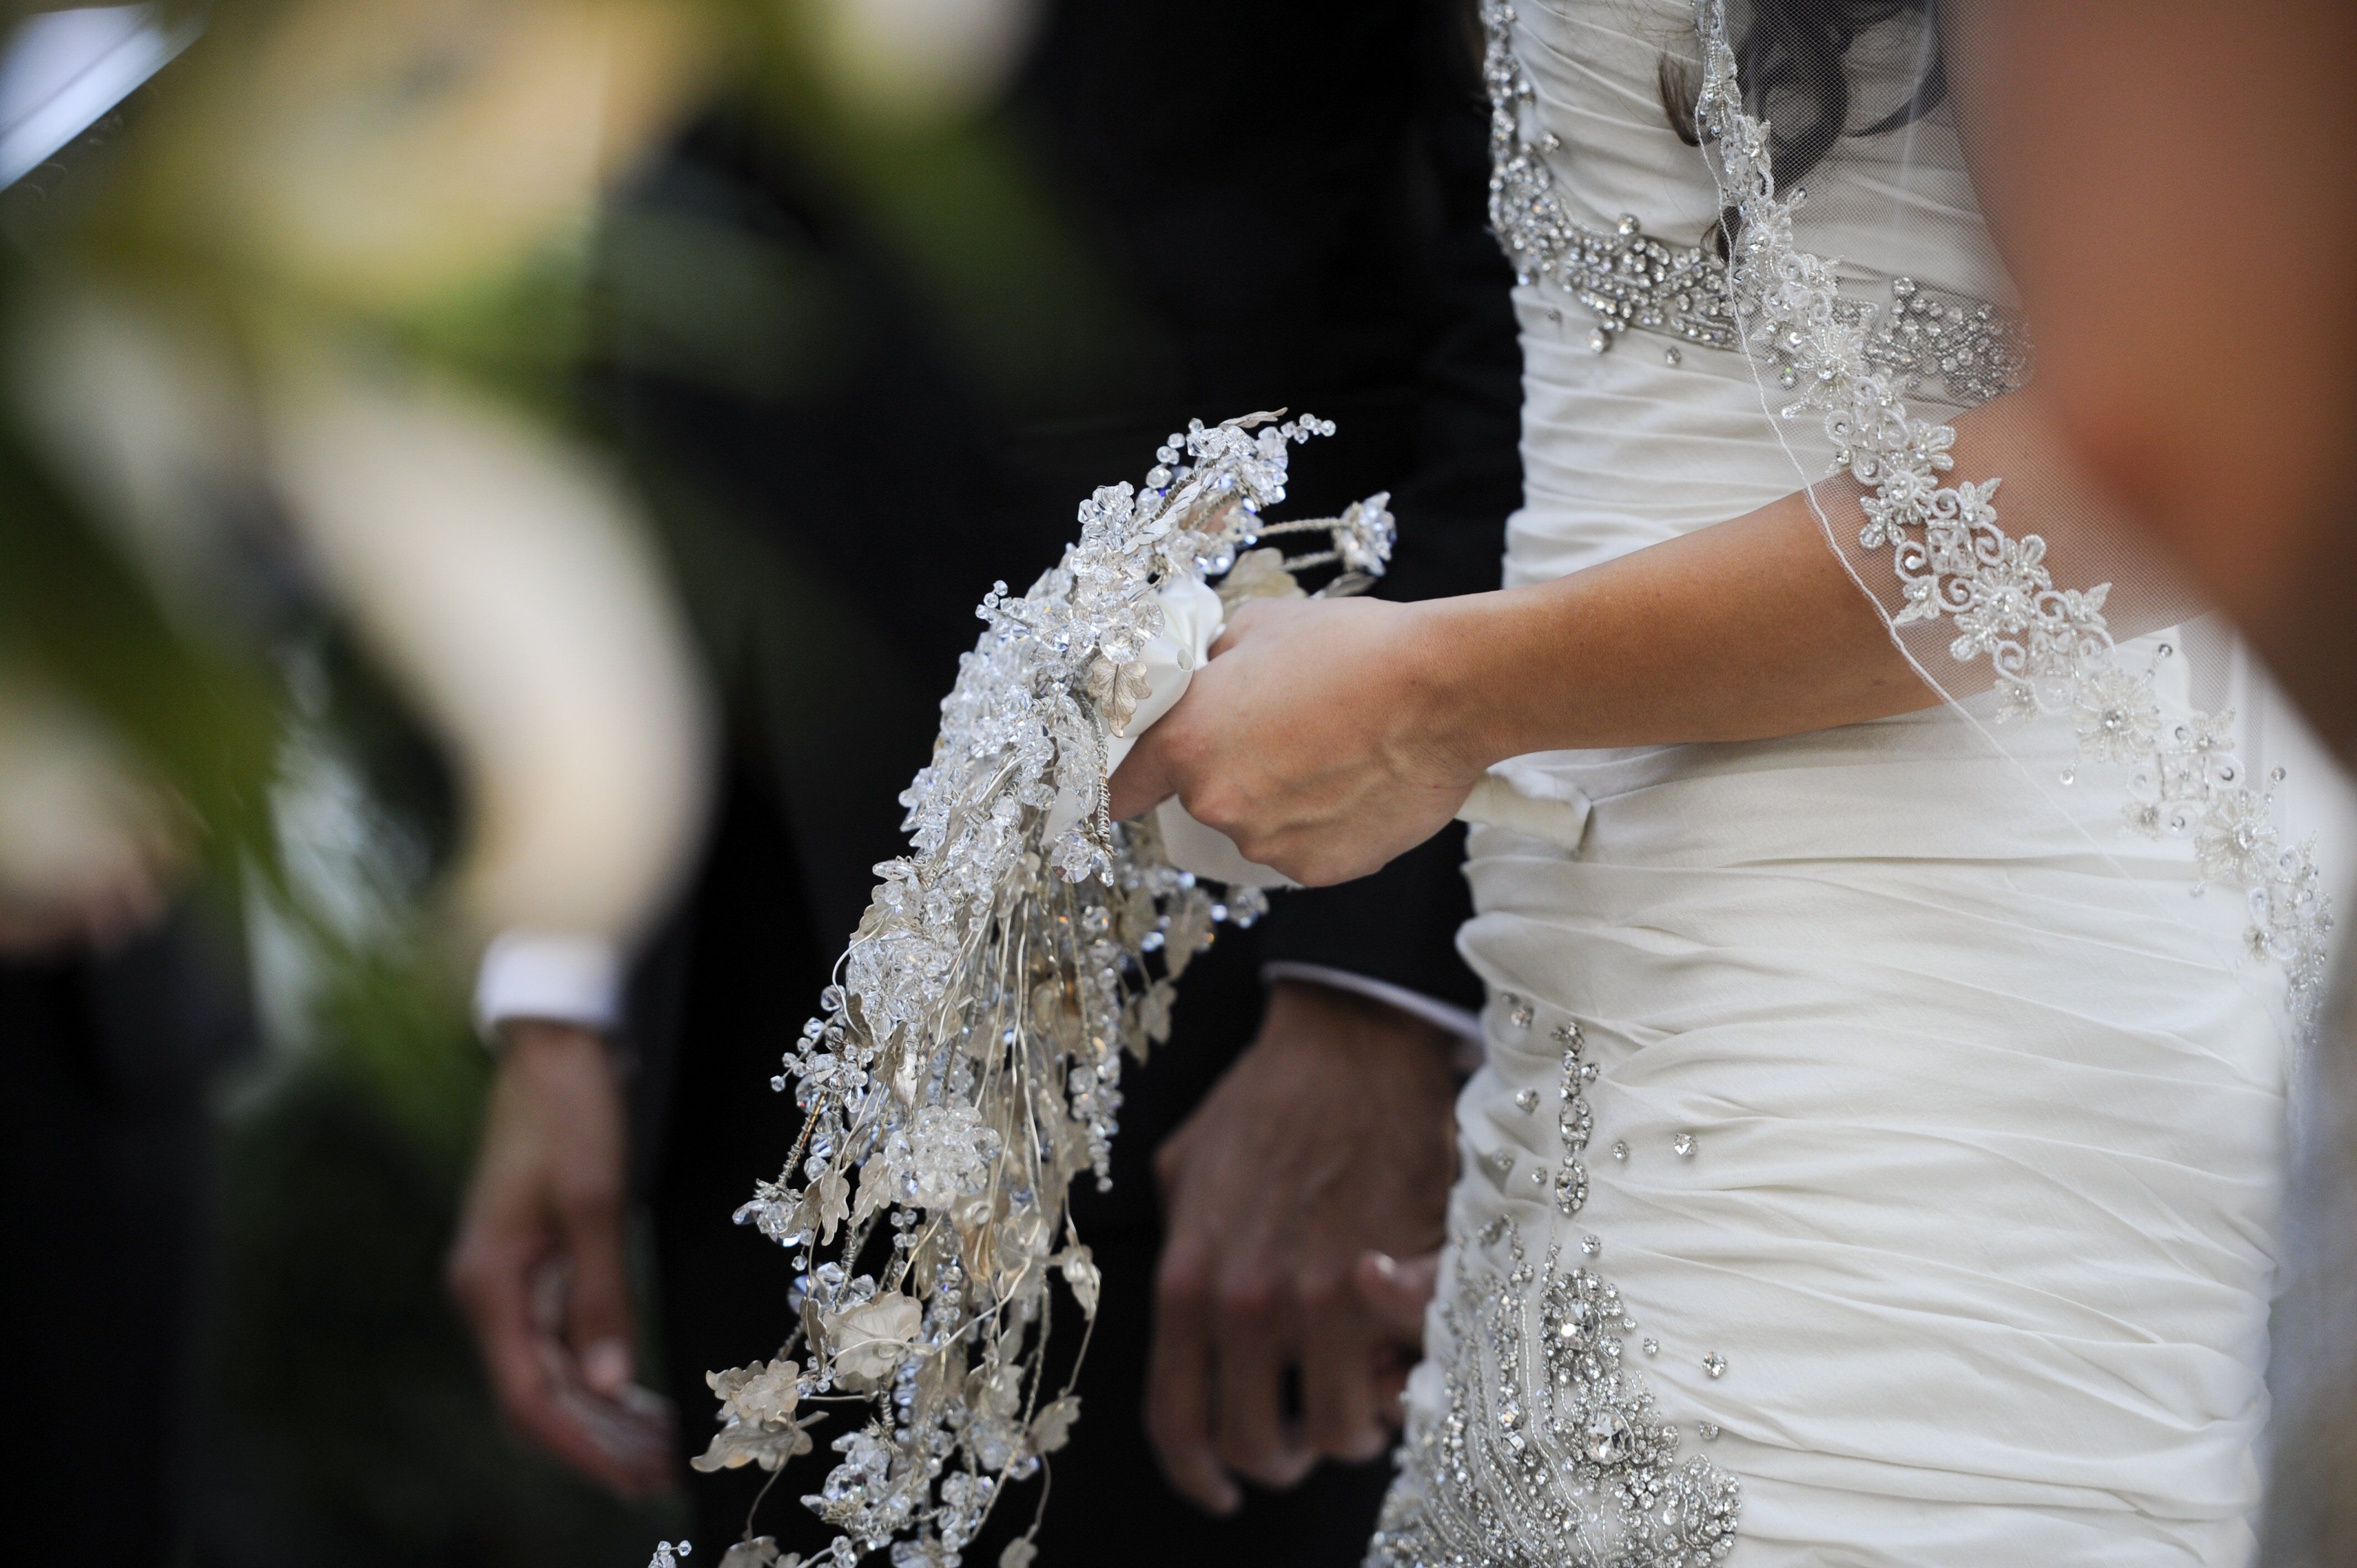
<point x="1552" y="1452"/>
<point x="1631" y="280"/>
<point x="2050" y="647"/>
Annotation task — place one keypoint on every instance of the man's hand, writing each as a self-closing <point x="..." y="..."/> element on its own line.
<point x="1329" y="1138"/>
<point x="538" y="1266"/>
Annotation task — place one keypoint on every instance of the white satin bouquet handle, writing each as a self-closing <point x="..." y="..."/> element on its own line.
<point x="1192" y="619"/>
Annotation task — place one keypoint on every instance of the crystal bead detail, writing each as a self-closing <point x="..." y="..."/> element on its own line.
<point x="1608" y="1439"/>
<point x="1551" y="1451"/>
<point x="1632" y="280"/>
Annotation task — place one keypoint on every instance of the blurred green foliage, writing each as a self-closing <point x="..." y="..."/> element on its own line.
<point x="73" y="615"/>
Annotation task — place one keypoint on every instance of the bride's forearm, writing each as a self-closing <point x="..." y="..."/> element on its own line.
<point x="1745" y="630"/>
<point x="1326" y="735"/>
<point x="1749" y="629"/>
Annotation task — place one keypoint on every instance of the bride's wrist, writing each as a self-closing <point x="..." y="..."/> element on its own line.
<point x="1452" y="699"/>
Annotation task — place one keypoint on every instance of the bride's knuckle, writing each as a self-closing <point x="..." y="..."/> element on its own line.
<point x="1217" y="805"/>
<point x="1336" y="868"/>
<point x="1186" y="752"/>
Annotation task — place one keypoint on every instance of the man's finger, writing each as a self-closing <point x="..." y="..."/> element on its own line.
<point x="1248" y="1424"/>
<point x="490" y="1277"/>
<point x="1389" y="1371"/>
<point x="598" y="1297"/>
<point x="1179" y="1387"/>
<point x="1338" y="1396"/>
<point x="1397" y="1290"/>
<point x="502" y="1248"/>
<point x="491" y="1273"/>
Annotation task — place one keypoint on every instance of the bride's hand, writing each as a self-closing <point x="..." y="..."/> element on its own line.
<point x="1320" y="738"/>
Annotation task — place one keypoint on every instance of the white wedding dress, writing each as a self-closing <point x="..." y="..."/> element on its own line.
<point x="1865" y="1170"/>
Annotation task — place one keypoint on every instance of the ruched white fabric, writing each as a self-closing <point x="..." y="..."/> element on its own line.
<point x="1986" y="1120"/>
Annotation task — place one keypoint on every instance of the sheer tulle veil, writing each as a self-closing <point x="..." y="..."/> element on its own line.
<point x="2139" y="726"/>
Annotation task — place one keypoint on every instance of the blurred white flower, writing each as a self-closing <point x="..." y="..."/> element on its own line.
<point x="829" y="1203"/>
<point x="760" y="1393"/>
<point x="88" y="844"/>
<point x="1081" y="1272"/>
<point x="385" y="154"/>
<point x="921" y="60"/>
<point x="1259" y="575"/>
<point x="502" y="579"/>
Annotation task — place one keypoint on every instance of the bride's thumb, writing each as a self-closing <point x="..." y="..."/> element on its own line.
<point x="1397" y="1290"/>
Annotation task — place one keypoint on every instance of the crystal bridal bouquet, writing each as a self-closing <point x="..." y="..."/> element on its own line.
<point x="966" y="1064"/>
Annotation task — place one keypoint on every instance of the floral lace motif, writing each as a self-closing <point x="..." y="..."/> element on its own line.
<point x="1552" y="1452"/>
<point x="1632" y="280"/>
<point x="2050" y="648"/>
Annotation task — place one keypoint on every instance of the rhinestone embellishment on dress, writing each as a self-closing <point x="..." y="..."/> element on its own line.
<point x="1551" y="1453"/>
<point x="1632" y="280"/>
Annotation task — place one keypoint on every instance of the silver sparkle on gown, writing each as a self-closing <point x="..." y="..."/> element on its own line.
<point x="1966" y="350"/>
<point x="1551" y="1451"/>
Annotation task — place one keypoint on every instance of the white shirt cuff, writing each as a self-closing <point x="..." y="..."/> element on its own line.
<point x="1455" y="1021"/>
<point x="563" y="979"/>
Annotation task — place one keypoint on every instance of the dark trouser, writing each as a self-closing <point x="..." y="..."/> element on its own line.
<point x="106" y="1181"/>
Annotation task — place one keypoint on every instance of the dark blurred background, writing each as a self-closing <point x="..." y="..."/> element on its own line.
<point x="436" y="437"/>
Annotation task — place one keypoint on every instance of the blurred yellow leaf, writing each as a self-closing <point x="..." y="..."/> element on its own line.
<point x="379" y="155"/>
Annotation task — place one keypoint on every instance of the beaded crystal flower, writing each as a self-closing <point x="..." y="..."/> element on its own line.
<point x="967" y="1065"/>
